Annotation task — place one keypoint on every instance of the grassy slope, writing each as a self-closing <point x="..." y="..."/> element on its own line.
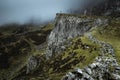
<point x="110" y="34"/>
<point x="74" y="56"/>
<point x="19" y="47"/>
<point x="17" y="58"/>
<point x="61" y="64"/>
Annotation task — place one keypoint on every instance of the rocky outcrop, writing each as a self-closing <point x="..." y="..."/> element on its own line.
<point x="105" y="66"/>
<point x="67" y="27"/>
<point x="33" y="63"/>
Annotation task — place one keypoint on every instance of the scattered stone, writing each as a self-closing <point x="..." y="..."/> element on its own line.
<point x="63" y="48"/>
<point x="116" y="76"/>
<point x="88" y="70"/>
<point x="105" y="67"/>
<point x="32" y="64"/>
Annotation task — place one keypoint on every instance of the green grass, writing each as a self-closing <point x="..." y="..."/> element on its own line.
<point x="111" y="35"/>
<point x="48" y="27"/>
<point x="89" y="54"/>
<point x="20" y="48"/>
<point x="17" y="60"/>
<point x="75" y="56"/>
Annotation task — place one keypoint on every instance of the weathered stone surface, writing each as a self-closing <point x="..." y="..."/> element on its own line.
<point x="88" y="70"/>
<point x="32" y="64"/>
<point x="67" y="27"/>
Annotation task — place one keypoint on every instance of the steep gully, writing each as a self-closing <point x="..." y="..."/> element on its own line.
<point x="105" y="66"/>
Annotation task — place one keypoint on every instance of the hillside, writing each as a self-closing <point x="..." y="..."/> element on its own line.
<point x="110" y="34"/>
<point x="83" y="46"/>
<point x="75" y="44"/>
<point x="16" y="48"/>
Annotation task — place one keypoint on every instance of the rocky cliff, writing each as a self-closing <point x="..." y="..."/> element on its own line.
<point x="84" y="47"/>
<point x="68" y="27"/>
<point x="80" y="47"/>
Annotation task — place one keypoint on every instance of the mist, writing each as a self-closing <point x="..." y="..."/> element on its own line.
<point x="39" y="11"/>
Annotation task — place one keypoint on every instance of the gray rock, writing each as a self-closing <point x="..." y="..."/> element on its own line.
<point x="93" y="65"/>
<point x="86" y="76"/>
<point x="88" y="70"/>
<point x="118" y="67"/>
<point x="63" y="48"/>
<point x="67" y="27"/>
<point x="78" y="71"/>
<point x="116" y="76"/>
<point x="32" y="64"/>
<point x="69" y="76"/>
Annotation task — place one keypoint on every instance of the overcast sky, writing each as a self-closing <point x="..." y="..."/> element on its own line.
<point x="23" y="11"/>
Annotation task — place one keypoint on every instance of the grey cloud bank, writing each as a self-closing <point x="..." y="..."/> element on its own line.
<point x="22" y="11"/>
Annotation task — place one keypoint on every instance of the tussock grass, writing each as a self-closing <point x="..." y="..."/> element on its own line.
<point x="111" y="35"/>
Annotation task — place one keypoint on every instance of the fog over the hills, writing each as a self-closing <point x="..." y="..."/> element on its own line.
<point x="22" y="11"/>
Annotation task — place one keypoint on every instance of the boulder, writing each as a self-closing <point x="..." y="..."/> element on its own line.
<point x="32" y="64"/>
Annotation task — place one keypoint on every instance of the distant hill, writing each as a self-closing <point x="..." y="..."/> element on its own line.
<point x="106" y="8"/>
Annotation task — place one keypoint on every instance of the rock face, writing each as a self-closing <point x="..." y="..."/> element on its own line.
<point x="32" y="64"/>
<point x="67" y="27"/>
<point x="105" y="66"/>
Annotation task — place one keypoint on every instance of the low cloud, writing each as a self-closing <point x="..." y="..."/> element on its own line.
<point x="21" y="11"/>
